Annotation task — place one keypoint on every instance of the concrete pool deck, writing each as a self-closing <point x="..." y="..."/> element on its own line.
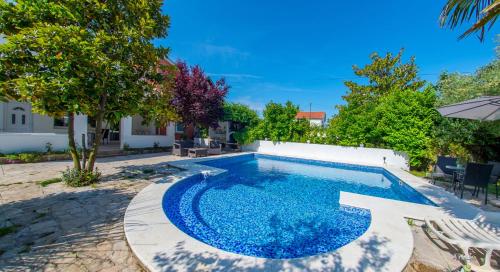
<point x="387" y="245"/>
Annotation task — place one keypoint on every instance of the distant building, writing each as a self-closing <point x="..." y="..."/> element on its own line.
<point x="317" y="118"/>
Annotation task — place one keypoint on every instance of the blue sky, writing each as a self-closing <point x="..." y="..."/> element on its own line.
<point x="303" y="51"/>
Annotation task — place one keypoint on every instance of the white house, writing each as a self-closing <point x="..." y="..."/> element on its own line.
<point x="317" y="118"/>
<point x="22" y="130"/>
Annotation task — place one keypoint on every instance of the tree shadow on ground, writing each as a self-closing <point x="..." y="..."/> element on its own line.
<point x="63" y="228"/>
<point x="153" y="172"/>
<point x="374" y="256"/>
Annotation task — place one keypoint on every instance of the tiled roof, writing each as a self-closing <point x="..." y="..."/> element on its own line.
<point x="310" y="115"/>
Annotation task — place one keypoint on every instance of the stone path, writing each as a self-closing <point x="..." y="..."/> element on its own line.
<point x="58" y="228"/>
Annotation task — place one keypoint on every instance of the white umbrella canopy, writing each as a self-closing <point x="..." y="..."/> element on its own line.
<point x="485" y="108"/>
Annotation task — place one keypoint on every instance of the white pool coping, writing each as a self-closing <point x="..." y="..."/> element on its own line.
<point x="387" y="245"/>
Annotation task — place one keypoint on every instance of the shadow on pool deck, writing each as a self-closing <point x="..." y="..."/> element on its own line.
<point x="372" y="258"/>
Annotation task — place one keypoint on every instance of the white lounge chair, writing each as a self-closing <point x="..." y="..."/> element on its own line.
<point x="481" y="232"/>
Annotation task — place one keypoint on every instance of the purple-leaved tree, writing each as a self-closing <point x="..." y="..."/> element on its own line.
<point x="196" y="98"/>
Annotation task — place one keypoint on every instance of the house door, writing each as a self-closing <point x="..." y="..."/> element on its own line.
<point x="18" y="117"/>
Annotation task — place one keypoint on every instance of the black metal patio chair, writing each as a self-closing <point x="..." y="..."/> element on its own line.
<point x="495" y="175"/>
<point x="440" y="170"/>
<point x="476" y="175"/>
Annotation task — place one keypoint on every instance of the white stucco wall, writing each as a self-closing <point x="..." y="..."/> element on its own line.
<point x="81" y="125"/>
<point x="45" y="124"/>
<point x="355" y="155"/>
<point x="26" y="142"/>
<point x="316" y="122"/>
<point x="141" y="141"/>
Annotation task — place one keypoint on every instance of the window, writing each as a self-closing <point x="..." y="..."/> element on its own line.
<point x="61" y="122"/>
<point x="179" y="127"/>
<point x="13" y="119"/>
<point x="23" y="119"/>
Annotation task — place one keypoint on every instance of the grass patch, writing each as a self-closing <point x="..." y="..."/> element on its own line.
<point x="421" y="174"/>
<point x="47" y="182"/>
<point x="6" y="230"/>
<point x="491" y="188"/>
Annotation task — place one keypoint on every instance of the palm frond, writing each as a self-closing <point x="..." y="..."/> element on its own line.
<point x="457" y="12"/>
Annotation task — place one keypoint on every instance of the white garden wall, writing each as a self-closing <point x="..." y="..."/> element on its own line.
<point x="355" y="155"/>
<point x="142" y="141"/>
<point x="27" y="142"/>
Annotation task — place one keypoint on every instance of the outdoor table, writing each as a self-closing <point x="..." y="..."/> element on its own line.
<point x="458" y="172"/>
<point x="197" y="152"/>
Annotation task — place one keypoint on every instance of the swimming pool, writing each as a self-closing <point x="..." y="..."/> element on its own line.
<point x="277" y="207"/>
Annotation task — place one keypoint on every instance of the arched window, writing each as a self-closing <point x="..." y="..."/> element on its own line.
<point x="18" y="109"/>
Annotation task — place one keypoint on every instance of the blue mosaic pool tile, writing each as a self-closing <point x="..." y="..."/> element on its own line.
<point x="278" y="207"/>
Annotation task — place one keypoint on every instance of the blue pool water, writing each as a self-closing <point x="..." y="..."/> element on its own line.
<point x="277" y="207"/>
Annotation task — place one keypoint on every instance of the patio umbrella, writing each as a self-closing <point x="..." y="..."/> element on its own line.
<point x="485" y="108"/>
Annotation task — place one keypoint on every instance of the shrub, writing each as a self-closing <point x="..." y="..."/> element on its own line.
<point x="48" y="147"/>
<point x="126" y="146"/>
<point x="77" y="178"/>
<point x="30" y="157"/>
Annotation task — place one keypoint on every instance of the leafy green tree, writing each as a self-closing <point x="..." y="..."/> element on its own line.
<point x="468" y="139"/>
<point x="390" y="109"/>
<point x="355" y="121"/>
<point x="279" y="123"/>
<point x="457" y="12"/>
<point x="243" y="119"/>
<point x="157" y="104"/>
<point x="405" y="122"/>
<point x="73" y="57"/>
<point x="456" y="87"/>
<point x="240" y="113"/>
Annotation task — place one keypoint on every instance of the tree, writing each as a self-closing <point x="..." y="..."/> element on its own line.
<point x="241" y="114"/>
<point x="456" y="87"/>
<point x="243" y="119"/>
<point x="80" y="57"/>
<point x="197" y="99"/>
<point x="457" y="12"/>
<point x="279" y="123"/>
<point x="391" y="110"/>
<point x="405" y="122"/>
<point x="157" y="104"/>
<point x="354" y="123"/>
<point x="468" y="139"/>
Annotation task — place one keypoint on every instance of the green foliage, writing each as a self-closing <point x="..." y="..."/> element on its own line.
<point x="279" y="124"/>
<point x="30" y="157"/>
<point x="483" y="12"/>
<point x="81" y="57"/>
<point x="405" y="121"/>
<point x="468" y="140"/>
<point x="243" y="136"/>
<point x="25" y="157"/>
<point x="47" y="182"/>
<point x="240" y="113"/>
<point x="456" y="87"/>
<point x="244" y="119"/>
<point x="77" y="178"/>
<point x="390" y="111"/>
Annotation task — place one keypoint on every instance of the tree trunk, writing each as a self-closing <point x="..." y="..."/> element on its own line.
<point x="98" y="134"/>
<point x="71" y="141"/>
